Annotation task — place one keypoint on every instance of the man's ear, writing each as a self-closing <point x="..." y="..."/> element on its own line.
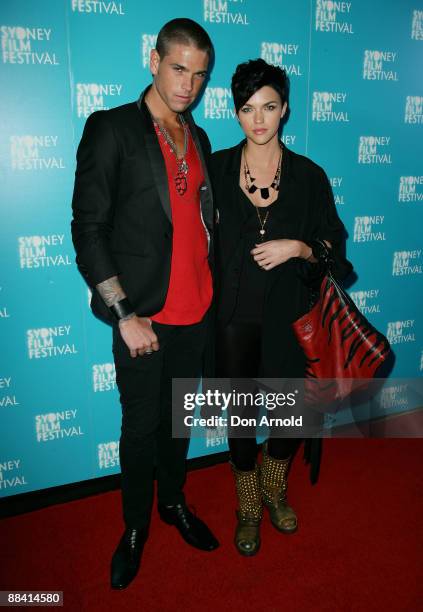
<point x="154" y="61"/>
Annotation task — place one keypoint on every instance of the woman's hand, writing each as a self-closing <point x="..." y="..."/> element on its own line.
<point x="275" y="252"/>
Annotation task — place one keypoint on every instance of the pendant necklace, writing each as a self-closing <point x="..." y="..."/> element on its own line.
<point x="249" y="180"/>
<point x="262" y="221"/>
<point x="181" y="177"/>
<point x="264" y="191"/>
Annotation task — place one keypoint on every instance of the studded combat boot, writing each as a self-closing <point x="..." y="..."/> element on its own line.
<point x="250" y="511"/>
<point x="273" y="484"/>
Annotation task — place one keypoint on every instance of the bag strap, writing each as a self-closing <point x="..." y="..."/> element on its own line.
<point x="323" y="254"/>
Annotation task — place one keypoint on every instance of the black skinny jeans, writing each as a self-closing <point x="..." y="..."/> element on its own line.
<point x="238" y="358"/>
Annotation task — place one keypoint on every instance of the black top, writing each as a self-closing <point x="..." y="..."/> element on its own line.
<point x="253" y="279"/>
<point x="305" y="211"/>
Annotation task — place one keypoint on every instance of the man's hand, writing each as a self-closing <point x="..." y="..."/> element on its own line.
<point x="275" y="252"/>
<point x="138" y="336"/>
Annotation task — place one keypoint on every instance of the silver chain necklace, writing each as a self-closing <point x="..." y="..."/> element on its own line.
<point x="181" y="177"/>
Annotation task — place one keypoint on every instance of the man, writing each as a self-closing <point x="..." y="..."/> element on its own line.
<point x="142" y="231"/>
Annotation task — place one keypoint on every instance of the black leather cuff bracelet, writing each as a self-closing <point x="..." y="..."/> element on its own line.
<point x="122" y="309"/>
<point x="320" y="251"/>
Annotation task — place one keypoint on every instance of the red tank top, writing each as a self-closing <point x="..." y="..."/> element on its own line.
<point x="190" y="287"/>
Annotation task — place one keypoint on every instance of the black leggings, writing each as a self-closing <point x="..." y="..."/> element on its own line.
<point x="238" y="358"/>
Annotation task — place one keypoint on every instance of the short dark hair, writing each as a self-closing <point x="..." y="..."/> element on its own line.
<point x="251" y="76"/>
<point x="183" y="31"/>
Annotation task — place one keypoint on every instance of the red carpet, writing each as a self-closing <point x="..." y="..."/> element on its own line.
<point x="358" y="547"/>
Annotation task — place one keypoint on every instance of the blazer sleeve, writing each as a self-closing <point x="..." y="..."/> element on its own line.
<point x="331" y="228"/>
<point x="327" y="226"/>
<point x="94" y="196"/>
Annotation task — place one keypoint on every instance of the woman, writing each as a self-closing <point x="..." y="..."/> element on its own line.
<point x="271" y="204"/>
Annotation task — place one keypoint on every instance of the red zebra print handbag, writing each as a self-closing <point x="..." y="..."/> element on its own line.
<point x="338" y="341"/>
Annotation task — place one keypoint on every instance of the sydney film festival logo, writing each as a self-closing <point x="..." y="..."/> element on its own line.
<point x="42" y="251"/>
<point x="218" y="103"/>
<point x="231" y="12"/>
<point x="413" y="109"/>
<point x="57" y="426"/>
<point x="148" y="43"/>
<point x="91" y="97"/>
<point x="108" y="455"/>
<point x="4" y="310"/>
<point x="368" y="228"/>
<point x="379" y="66"/>
<point x="410" y="189"/>
<point x="284" y="55"/>
<point x="216" y="437"/>
<point x="333" y="16"/>
<point x="329" y="106"/>
<point x="366" y="301"/>
<point x="405" y="263"/>
<point x="47" y="342"/>
<point x="7" y="398"/>
<point x="374" y="150"/>
<point x="336" y="184"/>
<point x="30" y="152"/>
<point x="417" y="25"/>
<point x="30" y="46"/>
<point x="97" y="7"/>
<point x="289" y="139"/>
<point x="400" y="332"/>
<point x="395" y="396"/>
<point x="104" y="377"/>
<point x="10" y="476"/>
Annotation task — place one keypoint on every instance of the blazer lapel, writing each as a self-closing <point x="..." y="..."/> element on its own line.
<point x="234" y="213"/>
<point x="154" y="153"/>
<point x="206" y="196"/>
<point x="242" y="213"/>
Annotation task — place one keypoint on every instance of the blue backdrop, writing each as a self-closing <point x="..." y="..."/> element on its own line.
<point x="356" y="109"/>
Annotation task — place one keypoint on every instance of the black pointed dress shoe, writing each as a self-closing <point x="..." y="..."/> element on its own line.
<point x="192" y="529"/>
<point x="127" y="557"/>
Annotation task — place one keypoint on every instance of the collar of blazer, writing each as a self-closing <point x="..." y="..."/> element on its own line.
<point x="159" y="168"/>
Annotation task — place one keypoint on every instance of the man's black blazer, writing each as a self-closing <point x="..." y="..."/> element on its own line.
<point x="122" y="220"/>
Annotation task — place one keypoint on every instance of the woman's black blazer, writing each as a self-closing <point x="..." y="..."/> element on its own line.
<point x="307" y="211"/>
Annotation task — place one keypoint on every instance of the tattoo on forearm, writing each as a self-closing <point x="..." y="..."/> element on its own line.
<point x="111" y="291"/>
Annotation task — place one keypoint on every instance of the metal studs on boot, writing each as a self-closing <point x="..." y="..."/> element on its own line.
<point x="273" y="482"/>
<point x="250" y="511"/>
